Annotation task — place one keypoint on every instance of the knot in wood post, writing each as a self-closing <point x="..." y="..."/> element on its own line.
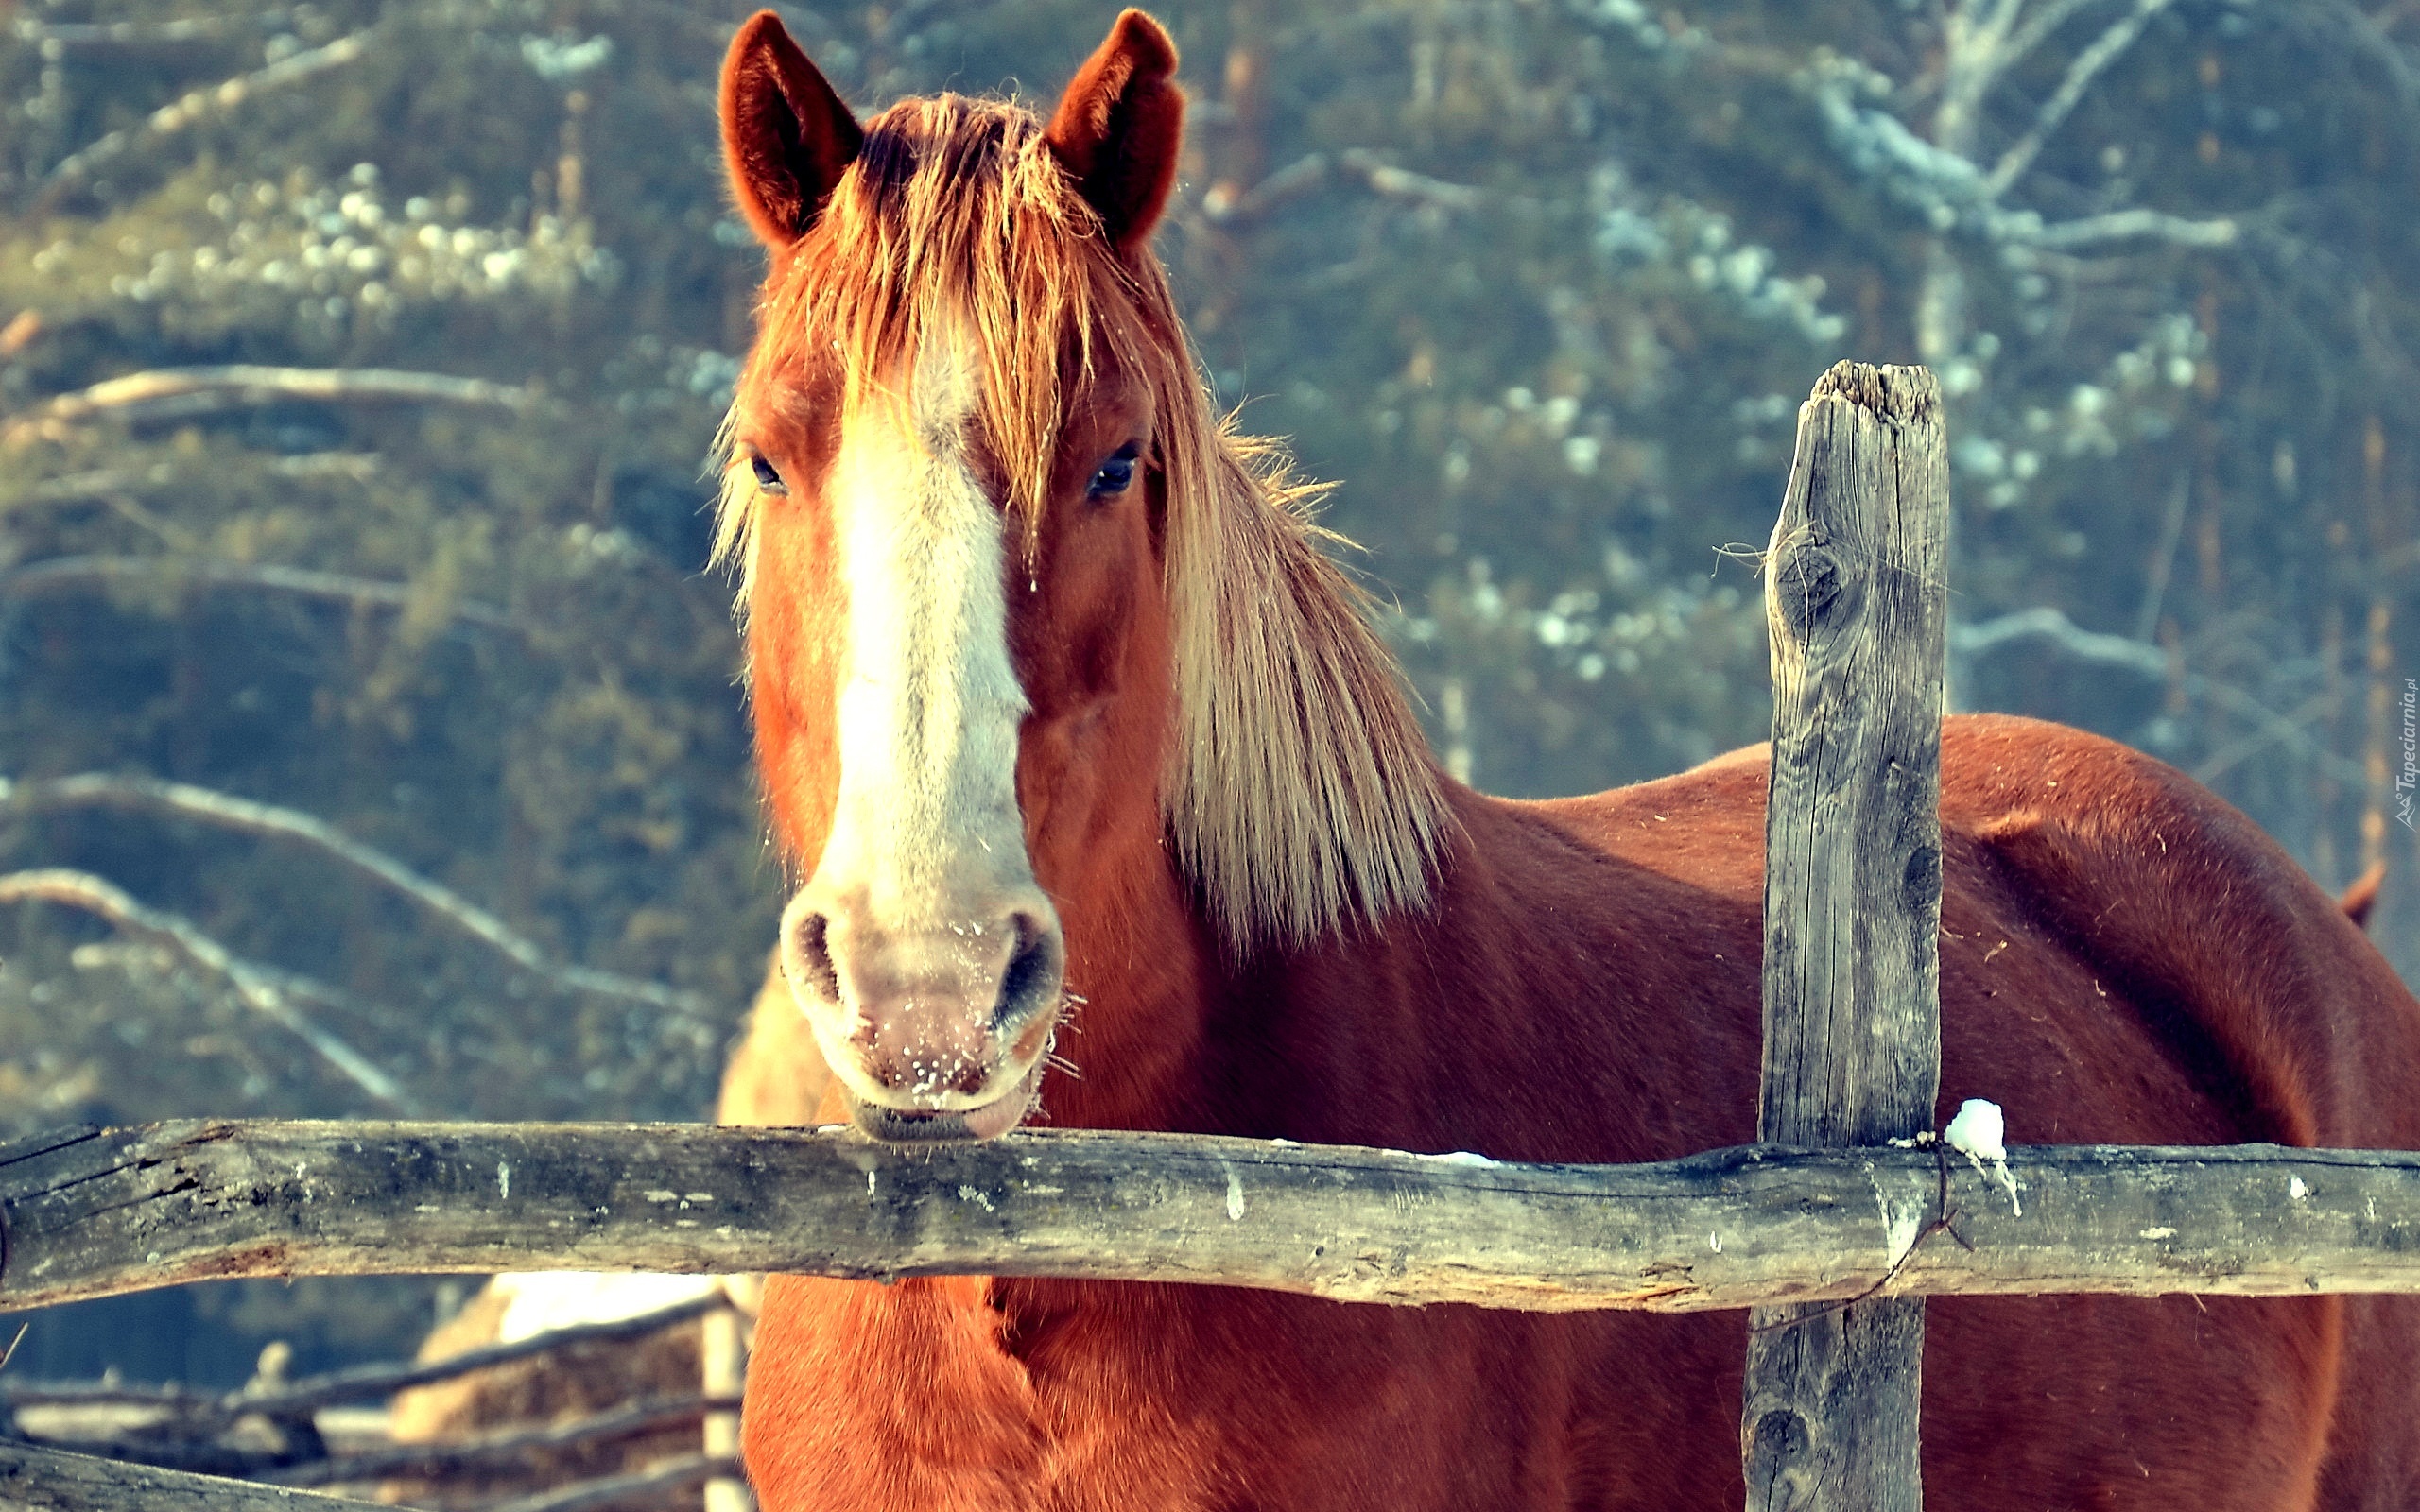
<point x="1854" y="604"/>
<point x="1804" y="592"/>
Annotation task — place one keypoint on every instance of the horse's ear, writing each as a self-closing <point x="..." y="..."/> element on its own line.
<point x="1119" y="127"/>
<point x="786" y="135"/>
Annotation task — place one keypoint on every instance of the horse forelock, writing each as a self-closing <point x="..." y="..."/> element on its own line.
<point x="1301" y="795"/>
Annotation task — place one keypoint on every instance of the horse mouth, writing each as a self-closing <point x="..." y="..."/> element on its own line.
<point x="917" y="1125"/>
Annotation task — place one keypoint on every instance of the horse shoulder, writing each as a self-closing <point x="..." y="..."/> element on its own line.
<point x="886" y="1397"/>
<point x="963" y="1393"/>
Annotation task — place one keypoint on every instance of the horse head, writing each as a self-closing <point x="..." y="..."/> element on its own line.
<point x="1029" y="629"/>
<point x="947" y="498"/>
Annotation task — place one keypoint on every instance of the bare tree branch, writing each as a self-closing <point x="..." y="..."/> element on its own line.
<point x="363" y="1383"/>
<point x="76" y="571"/>
<point x="2151" y="662"/>
<point x="98" y="484"/>
<point x="2038" y="31"/>
<point x="1298" y="177"/>
<point x="2088" y="66"/>
<point x="1951" y="192"/>
<point x="2227" y="757"/>
<point x="102" y="789"/>
<point x="1313" y="170"/>
<point x="1386" y="179"/>
<point x="590" y="1496"/>
<point x="367" y="1383"/>
<point x="114" y="488"/>
<point x="191" y="1446"/>
<point x="168" y="393"/>
<point x="1983" y="49"/>
<point x="1972" y="64"/>
<point x="1659" y="29"/>
<point x="359" y="466"/>
<point x="265" y="989"/>
<point x="2125" y="225"/>
<point x="202" y="103"/>
<point x="138" y="33"/>
<point x="2163" y="562"/>
<point x="2368" y="36"/>
<point x="2004" y="20"/>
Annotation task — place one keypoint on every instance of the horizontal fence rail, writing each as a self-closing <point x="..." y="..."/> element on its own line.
<point x="210" y="1411"/>
<point x="56" y="1481"/>
<point x="51" y="1480"/>
<point x="93" y="1212"/>
<point x="176" y="1459"/>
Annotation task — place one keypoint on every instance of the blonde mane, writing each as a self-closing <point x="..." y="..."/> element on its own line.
<point x="1301" y="795"/>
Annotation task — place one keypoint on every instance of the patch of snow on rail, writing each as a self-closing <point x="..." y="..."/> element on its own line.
<point x="1980" y="1133"/>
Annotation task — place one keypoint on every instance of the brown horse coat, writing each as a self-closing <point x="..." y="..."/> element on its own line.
<point x="2124" y="960"/>
<point x="1275" y="918"/>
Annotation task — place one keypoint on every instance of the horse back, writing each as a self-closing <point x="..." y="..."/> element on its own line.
<point x="2124" y="957"/>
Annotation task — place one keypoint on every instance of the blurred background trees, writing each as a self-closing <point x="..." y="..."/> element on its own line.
<point x="367" y="718"/>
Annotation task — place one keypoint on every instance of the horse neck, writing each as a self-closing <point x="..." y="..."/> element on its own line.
<point x="1174" y="1033"/>
<point x="1143" y="971"/>
<point x="1402" y="1032"/>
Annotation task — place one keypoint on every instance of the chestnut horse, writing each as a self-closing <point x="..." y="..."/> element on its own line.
<point x="1069" y="724"/>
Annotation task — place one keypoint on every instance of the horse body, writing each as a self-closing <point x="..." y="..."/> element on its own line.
<point x="1617" y="942"/>
<point x="1272" y="915"/>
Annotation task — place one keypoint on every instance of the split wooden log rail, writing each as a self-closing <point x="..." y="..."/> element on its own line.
<point x="33" y="1478"/>
<point x="96" y="1213"/>
<point x="1817" y="1239"/>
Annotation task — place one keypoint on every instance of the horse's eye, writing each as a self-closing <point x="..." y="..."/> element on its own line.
<point x="766" y="478"/>
<point x="1116" y="475"/>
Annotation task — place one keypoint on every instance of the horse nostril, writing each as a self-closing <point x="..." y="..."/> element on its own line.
<point x="1032" y="977"/>
<point x="815" y="958"/>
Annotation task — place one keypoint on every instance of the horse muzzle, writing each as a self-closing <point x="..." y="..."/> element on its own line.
<point x="937" y="1030"/>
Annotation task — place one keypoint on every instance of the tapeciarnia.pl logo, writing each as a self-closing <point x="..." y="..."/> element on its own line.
<point x="2408" y="779"/>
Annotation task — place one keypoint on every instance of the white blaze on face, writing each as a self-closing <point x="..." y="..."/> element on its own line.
<point x="924" y="872"/>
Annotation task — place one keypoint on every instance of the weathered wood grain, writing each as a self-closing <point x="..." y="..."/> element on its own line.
<point x="1856" y="608"/>
<point x="92" y="1212"/>
<point x="50" y="1480"/>
<point x="34" y="1479"/>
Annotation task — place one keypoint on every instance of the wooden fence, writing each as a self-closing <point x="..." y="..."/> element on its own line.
<point x="173" y="1428"/>
<point x="1825" y="1214"/>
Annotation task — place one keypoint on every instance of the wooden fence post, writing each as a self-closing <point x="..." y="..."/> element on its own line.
<point x="722" y="1363"/>
<point x="1855" y="603"/>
